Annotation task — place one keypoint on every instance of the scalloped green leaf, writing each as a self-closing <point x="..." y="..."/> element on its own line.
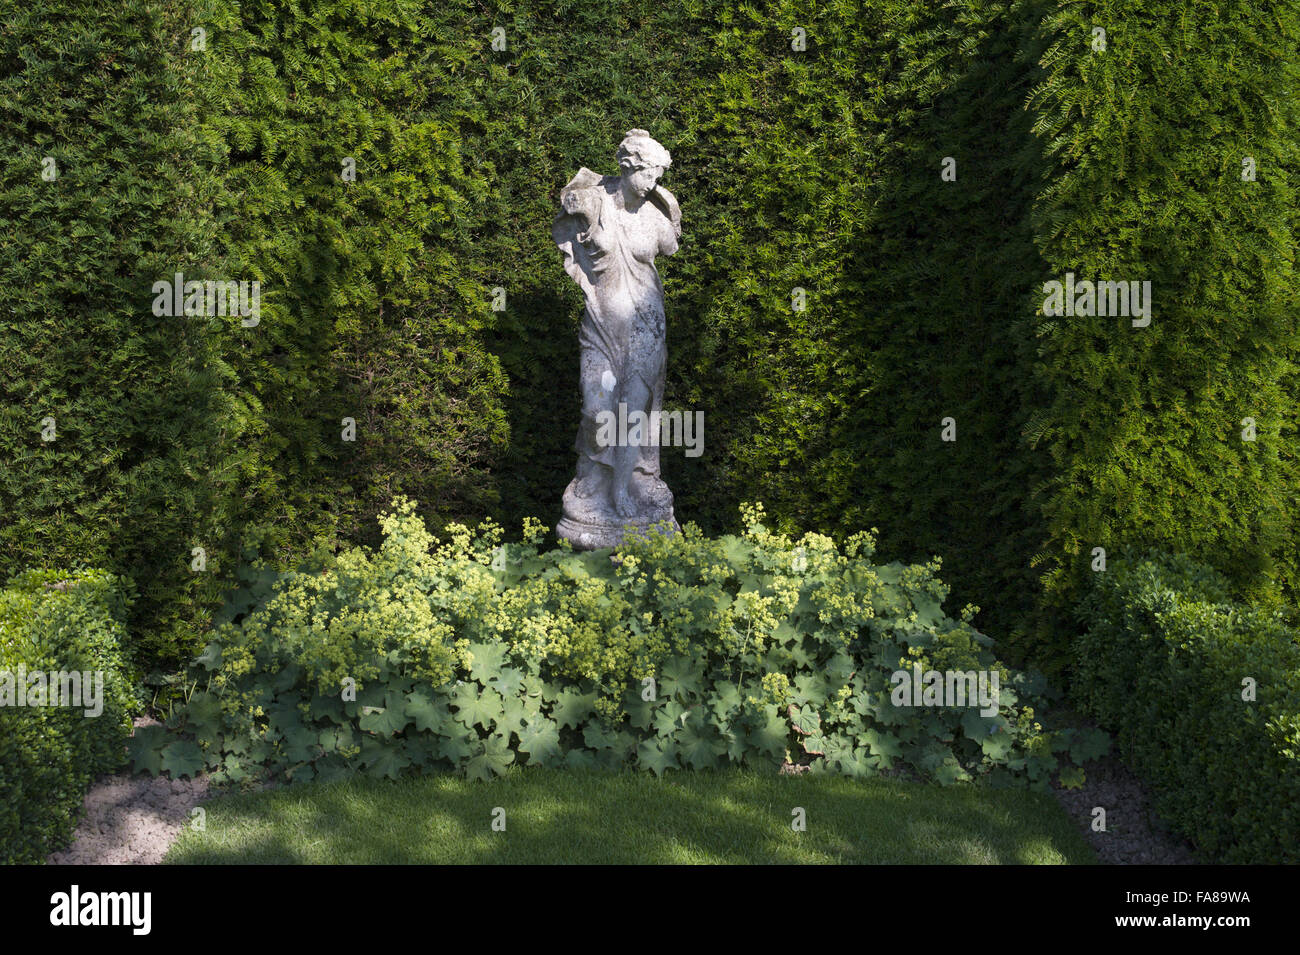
<point x="389" y="719"/>
<point x="998" y="746"/>
<point x="669" y="717"/>
<point x="234" y="770"/>
<point x="771" y="734"/>
<point x="700" y="749"/>
<point x="540" y="739"/>
<point x="182" y="759"/>
<point x="1072" y="777"/>
<point x="814" y="745"/>
<point x="571" y="707"/>
<point x="598" y="737"/>
<point x="507" y="681"/>
<point x="515" y="712"/>
<point x="457" y="748"/>
<point x="883" y="745"/>
<point x="680" y="677"/>
<point x="493" y="760"/>
<point x="658" y="756"/>
<point x="336" y="739"/>
<point x="811" y="688"/>
<point x="487" y="661"/>
<point x="726" y="699"/>
<point x="805" y="719"/>
<point x="203" y="718"/>
<point x="477" y="707"/>
<point x="639" y="712"/>
<point x="301" y="744"/>
<point x="381" y="759"/>
<point x="144" y="749"/>
<point x="328" y="707"/>
<point x="429" y="714"/>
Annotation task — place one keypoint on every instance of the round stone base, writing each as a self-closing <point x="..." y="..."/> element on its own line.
<point x="585" y="535"/>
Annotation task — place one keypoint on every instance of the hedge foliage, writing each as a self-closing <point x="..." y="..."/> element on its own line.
<point x="1146" y="144"/>
<point x="1166" y="662"/>
<point x="111" y="420"/>
<point x="49" y="755"/>
<point x="815" y="169"/>
<point x="684" y="652"/>
<point x="377" y="292"/>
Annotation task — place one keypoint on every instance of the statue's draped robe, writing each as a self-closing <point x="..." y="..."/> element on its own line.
<point x="610" y="254"/>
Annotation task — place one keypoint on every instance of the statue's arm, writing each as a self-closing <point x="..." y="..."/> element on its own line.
<point x="579" y="198"/>
<point x="583" y="203"/>
<point x="576" y="229"/>
<point x="672" y="231"/>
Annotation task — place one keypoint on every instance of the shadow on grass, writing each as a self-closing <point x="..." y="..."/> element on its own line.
<point x="604" y="818"/>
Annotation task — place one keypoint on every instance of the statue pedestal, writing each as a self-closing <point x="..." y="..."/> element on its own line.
<point x="587" y="535"/>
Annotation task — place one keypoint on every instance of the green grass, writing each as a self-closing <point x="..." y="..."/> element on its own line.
<point x="570" y="817"/>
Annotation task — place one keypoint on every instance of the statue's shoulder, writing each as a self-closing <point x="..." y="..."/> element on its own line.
<point x="584" y="178"/>
<point x="581" y="196"/>
<point x="667" y="203"/>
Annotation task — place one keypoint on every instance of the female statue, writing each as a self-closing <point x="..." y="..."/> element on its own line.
<point x="610" y="229"/>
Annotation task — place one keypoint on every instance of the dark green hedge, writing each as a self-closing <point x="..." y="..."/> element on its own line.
<point x="376" y="289"/>
<point x="817" y="169"/>
<point x="1162" y="664"/>
<point x="53" y="621"/>
<point x="930" y="316"/>
<point x="139" y="404"/>
<point x="1146" y="142"/>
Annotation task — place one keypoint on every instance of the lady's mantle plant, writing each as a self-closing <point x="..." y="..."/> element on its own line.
<point x="681" y="652"/>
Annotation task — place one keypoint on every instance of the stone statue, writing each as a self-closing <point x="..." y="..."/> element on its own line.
<point x="610" y="229"/>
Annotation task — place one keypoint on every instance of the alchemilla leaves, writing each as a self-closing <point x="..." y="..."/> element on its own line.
<point x="683" y="652"/>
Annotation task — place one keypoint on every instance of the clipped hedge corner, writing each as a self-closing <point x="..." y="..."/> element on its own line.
<point x="51" y="621"/>
<point x="1203" y="695"/>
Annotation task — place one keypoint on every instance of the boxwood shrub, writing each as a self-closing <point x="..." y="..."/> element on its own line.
<point x="1167" y="663"/>
<point x="53" y="621"/>
<point x="681" y="652"/>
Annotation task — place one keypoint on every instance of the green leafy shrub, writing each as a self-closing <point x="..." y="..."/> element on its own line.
<point x="1162" y="664"/>
<point x="1144" y="425"/>
<point x="677" y="652"/>
<point x="111" y="418"/>
<point x="50" y="622"/>
<point x="813" y="168"/>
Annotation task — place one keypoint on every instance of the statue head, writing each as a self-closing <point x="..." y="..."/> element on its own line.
<point x="642" y="161"/>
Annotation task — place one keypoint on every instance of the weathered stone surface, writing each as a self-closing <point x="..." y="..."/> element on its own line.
<point x="611" y="229"/>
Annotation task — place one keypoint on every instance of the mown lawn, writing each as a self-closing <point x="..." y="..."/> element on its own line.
<point x="554" y="816"/>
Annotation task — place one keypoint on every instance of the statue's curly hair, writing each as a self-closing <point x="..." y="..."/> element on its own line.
<point x="638" y="150"/>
